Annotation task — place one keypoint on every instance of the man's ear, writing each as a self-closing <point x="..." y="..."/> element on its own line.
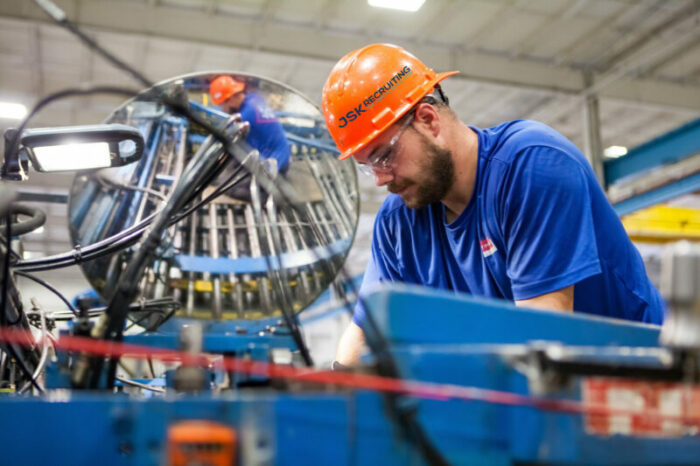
<point x="427" y="119"/>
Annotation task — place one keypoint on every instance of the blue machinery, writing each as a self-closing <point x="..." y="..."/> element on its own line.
<point x="680" y="146"/>
<point x="556" y="363"/>
<point x="559" y="364"/>
<point x="316" y="426"/>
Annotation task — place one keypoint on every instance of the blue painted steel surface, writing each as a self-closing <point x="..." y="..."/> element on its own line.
<point x="209" y="111"/>
<point x="304" y="429"/>
<point x="217" y="343"/>
<point x="435" y="336"/>
<point x="668" y="148"/>
<point x="657" y="196"/>
<point x="232" y="336"/>
<point x="242" y="265"/>
<point x="196" y="138"/>
<point x="410" y="314"/>
<point x="141" y="176"/>
<point x="427" y="331"/>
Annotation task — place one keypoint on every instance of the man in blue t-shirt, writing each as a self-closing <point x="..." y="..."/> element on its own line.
<point x="266" y="132"/>
<point x="512" y="212"/>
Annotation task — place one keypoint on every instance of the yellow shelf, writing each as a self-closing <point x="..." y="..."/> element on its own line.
<point x="662" y="224"/>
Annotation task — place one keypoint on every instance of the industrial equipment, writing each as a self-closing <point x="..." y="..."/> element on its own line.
<point x="214" y="261"/>
<point x="195" y="355"/>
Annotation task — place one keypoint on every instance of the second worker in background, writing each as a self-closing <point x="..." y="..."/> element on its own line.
<point x="266" y="132"/>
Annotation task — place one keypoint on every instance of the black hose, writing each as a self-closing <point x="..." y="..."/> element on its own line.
<point x="50" y="288"/>
<point x="37" y="218"/>
<point x="123" y="238"/>
<point x="4" y="304"/>
<point x="119" y="240"/>
<point x="6" y="274"/>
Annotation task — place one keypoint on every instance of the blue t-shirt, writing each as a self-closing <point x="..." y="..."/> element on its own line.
<point x="537" y="222"/>
<point x="266" y="132"/>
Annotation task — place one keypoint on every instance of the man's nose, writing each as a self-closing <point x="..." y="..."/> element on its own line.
<point x="382" y="178"/>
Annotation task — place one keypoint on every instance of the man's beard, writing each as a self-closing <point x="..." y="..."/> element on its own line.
<point x="438" y="176"/>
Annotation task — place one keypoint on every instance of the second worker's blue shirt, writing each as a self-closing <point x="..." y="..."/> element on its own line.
<point x="266" y="132"/>
<point x="537" y="222"/>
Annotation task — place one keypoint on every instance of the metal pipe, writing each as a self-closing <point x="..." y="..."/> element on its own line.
<point x="143" y="386"/>
<point x="256" y="251"/>
<point x="147" y="180"/>
<point x="214" y="253"/>
<point x="339" y="180"/>
<point x="236" y="288"/>
<point x="304" y="293"/>
<point x="189" y="307"/>
<point x="305" y="244"/>
<point x="328" y="199"/>
<point x="280" y="275"/>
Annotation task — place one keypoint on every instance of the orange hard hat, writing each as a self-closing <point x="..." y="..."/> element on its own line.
<point x="371" y="88"/>
<point x="224" y="87"/>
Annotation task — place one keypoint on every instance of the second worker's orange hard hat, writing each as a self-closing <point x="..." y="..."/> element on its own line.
<point x="371" y="88"/>
<point x="223" y="87"/>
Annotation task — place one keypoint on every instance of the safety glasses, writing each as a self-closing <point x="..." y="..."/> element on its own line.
<point x="382" y="158"/>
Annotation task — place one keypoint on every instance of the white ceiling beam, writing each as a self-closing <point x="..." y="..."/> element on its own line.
<point x="672" y="57"/>
<point x="195" y="55"/>
<point x="87" y="65"/>
<point x="267" y="12"/>
<point x="540" y="103"/>
<point x="564" y="14"/>
<point x="664" y="44"/>
<point x="289" y="72"/>
<point x="211" y="7"/>
<point x="141" y="48"/>
<point x="565" y="56"/>
<point x="430" y="25"/>
<point x="467" y="89"/>
<point x="496" y="107"/>
<point x="635" y="41"/>
<point x="302" y="40"/>
<point x="573" y="9"/>
<point x="472" y="39"/>
<point x="327" y="11"/>
<point x="37" y="65"/>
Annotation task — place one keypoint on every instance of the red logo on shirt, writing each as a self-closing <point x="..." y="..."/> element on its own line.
<point x="487" y="247"/>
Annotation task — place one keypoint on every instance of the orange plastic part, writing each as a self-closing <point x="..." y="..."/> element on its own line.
<point x="202" y="443"/>
<point x="371" y="88"/>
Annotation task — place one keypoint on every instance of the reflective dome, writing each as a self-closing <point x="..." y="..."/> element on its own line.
<point x="248" y="252"/>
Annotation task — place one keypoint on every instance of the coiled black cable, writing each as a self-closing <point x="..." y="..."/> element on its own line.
<point x="46" y="285"/>
<point x="37" y="218"/>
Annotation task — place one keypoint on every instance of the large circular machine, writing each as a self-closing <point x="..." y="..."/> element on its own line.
<point x="240" y="256"/>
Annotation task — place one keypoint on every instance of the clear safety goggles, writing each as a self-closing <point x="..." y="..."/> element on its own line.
<point x="381" y="160"/>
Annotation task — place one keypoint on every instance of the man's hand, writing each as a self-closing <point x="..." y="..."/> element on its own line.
<point x="351" y="345"/>
<point x="270" y="166"/>
<point x="560" y="300"/>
